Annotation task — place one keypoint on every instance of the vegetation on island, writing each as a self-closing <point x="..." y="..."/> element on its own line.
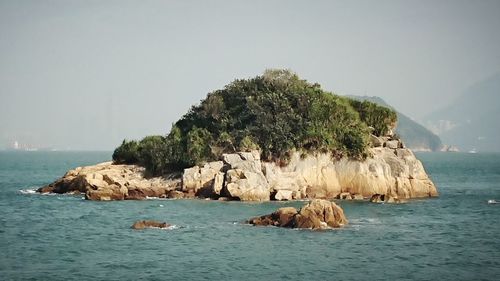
<point x="414" y="135"/>
<point x="276" y="112"/>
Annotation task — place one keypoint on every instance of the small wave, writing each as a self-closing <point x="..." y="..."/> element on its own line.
<point x="28" y="191"/>
<point x="366" y="221"/>
<point x="158" y="198"/>
<point x="492" y="201"/>
<point x="50" y="194"/>
<point x="172" y="227"/>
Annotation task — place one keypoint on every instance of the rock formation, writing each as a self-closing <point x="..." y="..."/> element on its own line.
<point x="106" y="181"/>
<point x="383" y="198"/>
<point x="149" y="224"/>
<point x="318" y="214"/>
<point x="392" y="171"/>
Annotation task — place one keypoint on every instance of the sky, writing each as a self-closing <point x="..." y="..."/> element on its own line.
<point x="84" y="75"/>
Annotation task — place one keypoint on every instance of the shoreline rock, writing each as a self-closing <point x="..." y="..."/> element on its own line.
<point x="106" y="181"/>
<point x="392" y="171"/>
<point x="318" y="214"/>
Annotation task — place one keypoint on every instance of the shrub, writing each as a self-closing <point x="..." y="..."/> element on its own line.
<point x="379" y="117"/>
<point x="126" y="153"/>
<point x="277" y="113"/>
<point x="198" y="145"/>
<point x="247" y="144"/>
<point x="152" y="152"/>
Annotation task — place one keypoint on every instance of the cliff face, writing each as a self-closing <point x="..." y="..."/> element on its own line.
<point x="393" y="171"/>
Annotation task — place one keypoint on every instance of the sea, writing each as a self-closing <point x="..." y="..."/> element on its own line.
<point x="64" y="237"/>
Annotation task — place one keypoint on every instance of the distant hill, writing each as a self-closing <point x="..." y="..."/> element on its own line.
<point x="472" y="121"/>
<point x="414" y="135"/>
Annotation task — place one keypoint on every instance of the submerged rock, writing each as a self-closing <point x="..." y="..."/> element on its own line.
<point x="149" y="224"/>
<point x="283" y="217"/>
<point x="318" y="214"/>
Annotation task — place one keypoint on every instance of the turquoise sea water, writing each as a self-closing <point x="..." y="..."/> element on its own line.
<point x="63" y="237"/>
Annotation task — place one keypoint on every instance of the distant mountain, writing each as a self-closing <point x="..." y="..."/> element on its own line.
<point x="472" y="121"/>
<point x="414" y="135"/>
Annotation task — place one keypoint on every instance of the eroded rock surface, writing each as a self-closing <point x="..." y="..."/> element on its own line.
<point x="393" y="171"/>
<point x="318" y="214"/>
<point x="106" y="181"/>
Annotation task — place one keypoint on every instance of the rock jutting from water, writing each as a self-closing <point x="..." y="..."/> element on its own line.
<point x="149" y="224"/>
<point x="392" y="172"/>
<point x="318" y="214"/>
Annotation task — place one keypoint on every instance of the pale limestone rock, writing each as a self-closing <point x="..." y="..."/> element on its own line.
<point x="218" y="183"/>
<point x="315" y="175"/>
<point x="256" y="155"/>
<point x="345" y="196"/>
<point x="283" y="195"/>
<point x="244" y="178"/>
<point x="243" y="161"/>
<point x="247" y="156"/>
<point x="357" y="197"/>
<point x="395" y="172"/>
<point x="231" y="159"/>
<point x="202" y="181"/>
<point x="393" y="144"/>
<point x="191" y="179"/>
<point x="394" y="200"/>
<point x="106" y="181"/>
<point x="390" y="172"/>
<point x="247" y="185"/>
<point x="376" y="141"/>
<point x="390" y="132"/>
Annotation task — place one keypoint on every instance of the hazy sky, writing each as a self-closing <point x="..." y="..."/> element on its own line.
<point x="86" y="74"/>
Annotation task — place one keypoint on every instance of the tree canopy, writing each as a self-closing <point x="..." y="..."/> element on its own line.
<point x="276" y="112"/>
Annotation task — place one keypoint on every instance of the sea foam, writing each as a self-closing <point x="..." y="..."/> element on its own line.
<point x="28" y="191"/>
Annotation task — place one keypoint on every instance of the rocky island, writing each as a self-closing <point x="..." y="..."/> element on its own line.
<point x="272" y="137"/>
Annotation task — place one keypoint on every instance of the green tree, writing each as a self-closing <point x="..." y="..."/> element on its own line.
<point x="198" y="145"/>
<point x="276" y="113"/>
<point x="153" y="154"/>
<point x="126" y="153"/>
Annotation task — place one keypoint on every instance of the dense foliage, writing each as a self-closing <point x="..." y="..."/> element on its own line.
<point x="376" y="116"/>
<point x="151" y="152"/>
<point x="414" y="135"/>
<point x="276" y="112"/>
